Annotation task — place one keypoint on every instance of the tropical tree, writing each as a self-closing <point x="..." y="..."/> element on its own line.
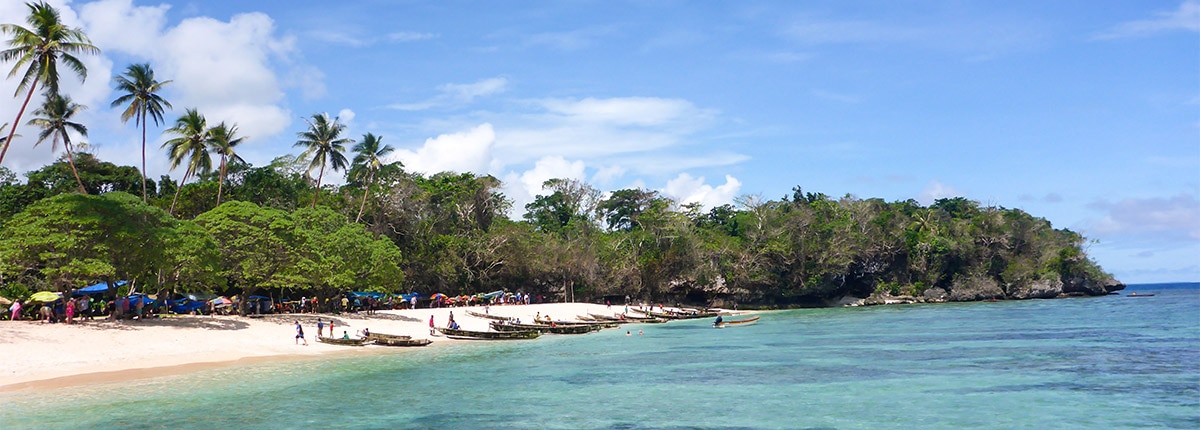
<point x="369" y="159"/>
<point x="324" y="146"/>
<point x="191" y="145"/>
<point x="54" y="117"/>
<point x="141" y="96"/>
<point x="37" y="49"/>
<point x="221" y="141"/>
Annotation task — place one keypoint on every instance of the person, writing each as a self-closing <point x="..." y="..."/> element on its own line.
<point x="627" y="333"/>
<point x="331" y="328"/>
<point x="608" y="303"/>
<point x="451" y="324"/>
<point x="16" y="310"/>
<point x="345" y="336"/>
<point x="320" y="327"/>
<point x="141" y="303"/>
<point x="639" y="332"/>
<point x="366" y="332"/>
<point x="431" y="325"/>
<point x="626" y="300"/>
<point x="70" y="311"/>
<point x="345" y="304"/>
<point x="414" y="301"/>
<point x="300" y="333"/>
<point x="717" y="323"/>
<point x="85" y="307"/>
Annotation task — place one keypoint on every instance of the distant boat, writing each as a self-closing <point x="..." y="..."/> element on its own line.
<point x="396" y="340"/>
<point x="727" y="323"/>
<point x="1139" y="295"/>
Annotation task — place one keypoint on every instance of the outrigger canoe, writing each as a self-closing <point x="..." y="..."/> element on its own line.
<point x="488" y="335"/>
<point x="726" y="323"/>
<point x="343" y="342"/>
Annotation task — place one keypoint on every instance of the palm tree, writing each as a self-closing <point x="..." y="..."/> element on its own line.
<point x="324" y="146"/>
<point x="54" y="117"/>
<point x="37" y="49"/>
<point x="191" y="145"/>
<point x="140" y="90"/>
<point x="221" y="141"/>
<point x="370" y="152"/>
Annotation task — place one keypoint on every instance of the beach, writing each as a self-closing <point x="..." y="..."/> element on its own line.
<point x="36" y="355"/>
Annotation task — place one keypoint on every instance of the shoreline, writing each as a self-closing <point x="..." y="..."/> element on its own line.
<point x="39" y="356"/>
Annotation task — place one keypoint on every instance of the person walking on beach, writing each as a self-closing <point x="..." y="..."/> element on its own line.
<point x="300" y="334"/>
<point x="16" y="310"/>
<point x="431" y="329"/>
<point x="320" y="328"/>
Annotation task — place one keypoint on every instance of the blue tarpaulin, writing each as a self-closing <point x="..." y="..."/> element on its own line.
<point x="100" y="288"/>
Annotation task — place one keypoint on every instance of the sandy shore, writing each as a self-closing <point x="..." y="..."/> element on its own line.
<point x="35" y="355"/>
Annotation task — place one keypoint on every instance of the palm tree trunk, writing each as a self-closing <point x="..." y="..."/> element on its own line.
<point x="13" y="130"/>
<point x="317" y="192"/>
<point x="71" y="161"/>
<point x="179" y="188"/>
<point x="221" y="181"/>
<point x="364" y="198"/>
<point x="143" y="120"/>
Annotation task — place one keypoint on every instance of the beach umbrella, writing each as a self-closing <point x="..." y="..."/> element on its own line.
<point x="437" y="296"/>
<point x="44" y="297"/>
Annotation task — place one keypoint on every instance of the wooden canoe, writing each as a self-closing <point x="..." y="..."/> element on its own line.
<point x="343" y="342"/>
<point x="727" y="323"/>
<point x="544" y="328"/>
<point x="377" y="336"/>
<point x="486" y="316"/>
<point x="402" y="342"/>
<point x="488" y="335"/>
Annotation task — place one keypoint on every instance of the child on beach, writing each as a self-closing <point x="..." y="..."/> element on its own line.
<point x="320" y="328"/>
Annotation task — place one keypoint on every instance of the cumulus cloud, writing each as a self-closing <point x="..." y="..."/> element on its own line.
<point x="937" y="190"/>
<point x="1048" y="198"/>
<point x="523" y="187"/>
<point x="688" y="189"/>
<point x="467" y="151"/>
<point x="1173" y="219"/>
<point x="345" y="116"/>
<point x="410" y="36"/>
<point x="1185" y="18"/>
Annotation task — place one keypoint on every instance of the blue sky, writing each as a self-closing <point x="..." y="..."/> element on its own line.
<point x="1086" y="113"/>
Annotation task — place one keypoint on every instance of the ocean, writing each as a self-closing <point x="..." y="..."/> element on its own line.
<point x="1103" y="362"/>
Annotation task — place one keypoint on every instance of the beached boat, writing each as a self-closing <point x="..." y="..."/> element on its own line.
<point x="628" y="319"/>
<point x="1139" y="295"/>
<point x="402" y="342"/>
<point x="544" y="328"/>
<point x="486" y="316"/>
<point x="343" y="342"/>
<point x="727" y="323"/>
<point x="488" y="335"/>
<point x="681" y="315"/>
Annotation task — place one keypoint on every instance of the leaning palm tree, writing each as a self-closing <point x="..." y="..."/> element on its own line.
<point x="141" y="90"/>
<point x="370" y="152"/>
<point x="221" y="141"/>
<point x="324" y="146"/>
<point x="191" y="145"/>
<point x="54" y="117"/>
<point x="37" y="50"/>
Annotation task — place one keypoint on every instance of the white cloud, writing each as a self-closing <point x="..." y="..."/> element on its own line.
<point x="937" y="190"/>
<point x="687" y="189"/>
<point x="1186" y="18"/>
<point x="345" y="116"/>
<point x="468" y="151"/>
<point x="409" y="36"/>
<point x="625" y="111"/>
<point x="1168" y="219"/>
<point x="523" y="187"/>
<point x="457" y="94"/>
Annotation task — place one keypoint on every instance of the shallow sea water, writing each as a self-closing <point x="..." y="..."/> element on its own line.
<point x="1107" y="362"/>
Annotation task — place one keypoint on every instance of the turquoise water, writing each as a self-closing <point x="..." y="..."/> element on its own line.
<point x="1108" y="362"/>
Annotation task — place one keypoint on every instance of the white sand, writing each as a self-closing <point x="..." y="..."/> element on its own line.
<point x="34" y="354"/>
